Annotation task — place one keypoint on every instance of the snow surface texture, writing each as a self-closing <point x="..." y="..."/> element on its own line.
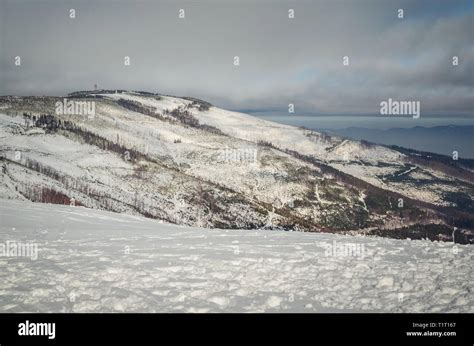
<point x="97" y="261"/>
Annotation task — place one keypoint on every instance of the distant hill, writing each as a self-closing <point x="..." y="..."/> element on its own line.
<point x="439" y="139"/>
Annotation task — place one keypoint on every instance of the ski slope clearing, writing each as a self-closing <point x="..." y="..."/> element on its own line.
<point x="98" y="261"/>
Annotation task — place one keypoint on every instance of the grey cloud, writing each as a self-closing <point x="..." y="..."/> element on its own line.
<point x="282" y="61"/>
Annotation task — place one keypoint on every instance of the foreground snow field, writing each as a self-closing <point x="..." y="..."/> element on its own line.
<point x="96" y="261"/>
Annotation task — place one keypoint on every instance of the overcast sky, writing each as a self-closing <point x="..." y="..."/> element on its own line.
<point x="282" y="60"/>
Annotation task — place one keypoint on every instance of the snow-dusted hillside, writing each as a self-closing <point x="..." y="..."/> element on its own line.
<point x="184" y="161"/>
<point x="373" y="163"/>
<point x="97" y="261"/>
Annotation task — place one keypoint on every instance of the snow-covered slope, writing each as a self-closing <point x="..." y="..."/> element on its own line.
<point x="372" y="163"/>
<point x="184" y="161"/>
<point x="97" y="261"/>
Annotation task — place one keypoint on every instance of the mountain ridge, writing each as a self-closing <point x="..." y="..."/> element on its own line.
<point x="439" y="139"/>
<point x="185" y="161"/>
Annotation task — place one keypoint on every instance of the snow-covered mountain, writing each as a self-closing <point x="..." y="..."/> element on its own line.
<point x="185" y="161"/>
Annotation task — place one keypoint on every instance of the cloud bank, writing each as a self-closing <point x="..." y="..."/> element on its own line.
<point x="282" y="60"/>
